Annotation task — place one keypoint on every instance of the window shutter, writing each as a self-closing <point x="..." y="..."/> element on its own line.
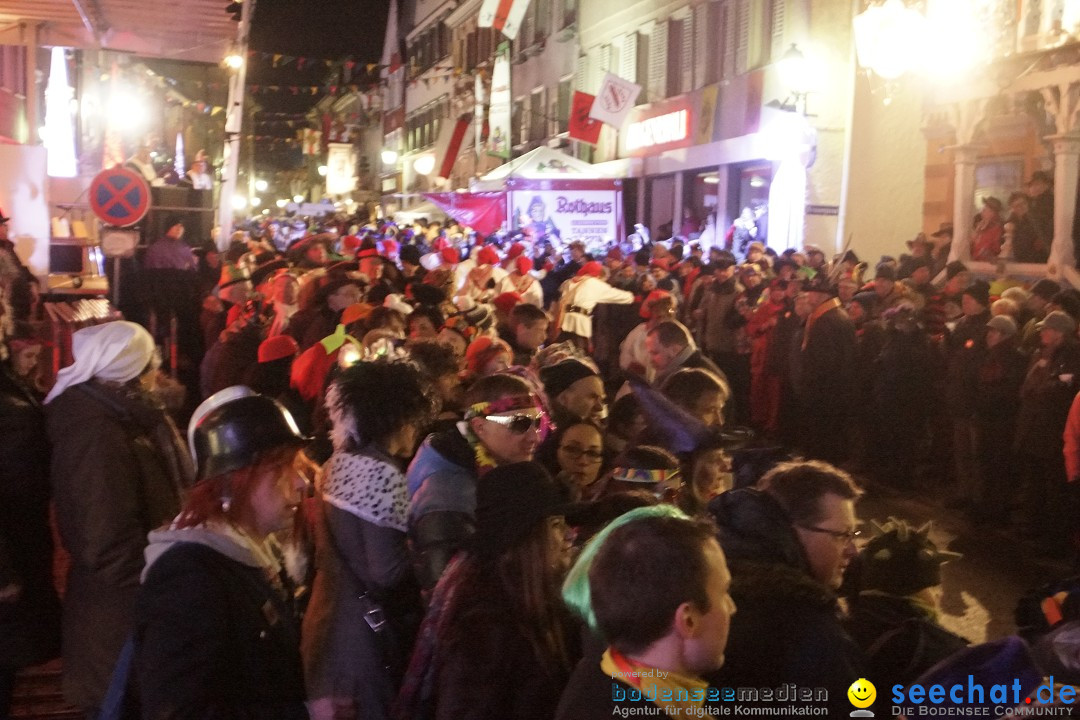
<point x="558" y="14"/>
<point x="688" y="62"/>
<point x="701" y="44"/>
<point x="543" y="19"/>
<point x="642" y="67"/>
<point x="581" y="72"/>
<point x="742" y="38"/>
<point x="779" y="13"/>
<point x="728" y="60"/>
<point x="658" y="58"/>
<point x="628" y="58"/>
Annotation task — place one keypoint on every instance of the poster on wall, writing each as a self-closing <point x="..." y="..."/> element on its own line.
<point x="570" y="210"/>
<point x="498" y="143"/>
<point x="340" y="169"/>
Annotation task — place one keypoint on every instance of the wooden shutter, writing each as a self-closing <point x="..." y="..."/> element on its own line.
<point x="580" y="72"/>
<point x="658" y="59"/>
<point x="687" y="81"/>
<point x="728" y="33"/>
<point x="628" y="57"/>
<point x="702" y="51"/>
<point x="779" y="15"/>
<point x="742" y="36"/>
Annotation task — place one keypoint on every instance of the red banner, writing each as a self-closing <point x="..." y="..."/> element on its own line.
<point x="485" y="212"/>
<point x="583" y="127"/>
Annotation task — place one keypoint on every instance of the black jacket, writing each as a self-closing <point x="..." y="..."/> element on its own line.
<point x="787" y="628"/>
<point x="592" y="695"/>
<point x="214" y="639"/>
<point x="1045" y="398"/>
<point x="825" y="377"/>
<point x="29" y="626"/>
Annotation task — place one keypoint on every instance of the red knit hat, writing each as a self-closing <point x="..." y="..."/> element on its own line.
<point x="523" y="264"/>
<point x="390" y="247"/>
<point x="487" y="256"/>
<point x="450" y="256"/>
<point x="506" y="301"/>
<point x="646" y="306"/>
<point x="481" y="351"/>
<point x="276" y="348"/>
<point x="350" y="242"/>
<point x="516" y="250"/>
<point x="591" y="268"/>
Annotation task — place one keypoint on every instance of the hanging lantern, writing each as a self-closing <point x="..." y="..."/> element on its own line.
<point x="889" y="38"/>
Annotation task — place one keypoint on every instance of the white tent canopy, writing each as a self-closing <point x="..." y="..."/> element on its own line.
<point x="543" y="163"/>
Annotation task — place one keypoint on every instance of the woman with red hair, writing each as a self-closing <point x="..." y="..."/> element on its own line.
<point x="216" y="630"/>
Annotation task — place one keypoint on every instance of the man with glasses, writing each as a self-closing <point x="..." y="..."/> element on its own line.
<point x="504" y="423"/>
<point x="788" y="541"/>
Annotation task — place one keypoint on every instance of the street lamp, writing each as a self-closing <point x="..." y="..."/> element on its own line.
<point x="323" y="170"/>
<point x="389" y="157"/>
<point x="298" y="198"/>
<point x="888" y="36"/>
<point x="234" y="61"/>
<point x="261" y="185"/>
<point x="425" y="164"/>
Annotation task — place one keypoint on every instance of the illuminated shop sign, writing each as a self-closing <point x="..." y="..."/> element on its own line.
<point x="665" y="129"/>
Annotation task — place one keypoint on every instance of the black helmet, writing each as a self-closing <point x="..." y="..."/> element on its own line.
<point x="233" y="435"/>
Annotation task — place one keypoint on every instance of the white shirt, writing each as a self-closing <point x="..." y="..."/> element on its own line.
<point x="587" y="292"/>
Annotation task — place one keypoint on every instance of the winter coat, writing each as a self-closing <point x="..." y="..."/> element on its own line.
<point x="788" y="625"/>
<point x="215" y="635"/>
<point x="826" y="363"/>
<point x="442" y="502"/>
<point x="965" y="349"/>
<point x="30" y="625"/>
<point x="590" y="695"/>
<point x="719" y="321"/>
<point x="118" y="469"/>
<point x="355" y="555"/>
<point x="1000" y="375"/>
<point x="1045" y="398"/>
<point x="487" y="668"/>
<point x="900" y="639"/>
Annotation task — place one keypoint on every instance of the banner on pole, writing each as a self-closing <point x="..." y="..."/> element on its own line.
<point x="499" y="115"/>
<point x="615" y="100"/>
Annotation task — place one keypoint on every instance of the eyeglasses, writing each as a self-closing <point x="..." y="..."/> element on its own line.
<point x="519" y="423"/>
<point x="576" y="453"/>
<point x="848" y="536"/>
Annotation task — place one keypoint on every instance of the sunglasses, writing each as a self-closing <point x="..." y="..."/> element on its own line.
<point x="519" y="423"/>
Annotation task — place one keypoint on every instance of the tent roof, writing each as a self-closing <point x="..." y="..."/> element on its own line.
<point x="198" y="30"/>
<point x="541" y="163"/>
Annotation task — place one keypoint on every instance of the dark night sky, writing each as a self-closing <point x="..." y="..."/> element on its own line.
<point x="328" y="29"/>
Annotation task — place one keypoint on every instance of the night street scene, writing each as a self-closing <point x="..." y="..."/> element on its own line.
<point x="539" y="359"/>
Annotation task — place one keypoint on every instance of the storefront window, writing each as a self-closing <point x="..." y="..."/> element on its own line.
<point x="750" y="207"/>
<point x="699" y="202"/>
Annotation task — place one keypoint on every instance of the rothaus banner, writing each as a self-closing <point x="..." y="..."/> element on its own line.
<point x="589" y="210"/>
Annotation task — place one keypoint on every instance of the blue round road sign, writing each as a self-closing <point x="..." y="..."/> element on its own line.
<point x="119" y="196"/>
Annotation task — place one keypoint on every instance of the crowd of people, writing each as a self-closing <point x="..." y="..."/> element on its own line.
<point x="411" y="486"/>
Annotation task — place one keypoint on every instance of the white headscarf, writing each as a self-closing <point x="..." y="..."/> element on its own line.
<point x="114" y="351"/>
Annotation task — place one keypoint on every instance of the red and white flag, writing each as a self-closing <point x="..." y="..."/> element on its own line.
<point x="615" y="100"/>
<point x="582" y="127"/>
<point x="451" y="139"/>
<point x="503" y="15"/>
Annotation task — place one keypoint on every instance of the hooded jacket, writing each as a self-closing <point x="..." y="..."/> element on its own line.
<point x="787" y="625"/>
<point x="442" y="502"/>
<point x="215" y="632"/>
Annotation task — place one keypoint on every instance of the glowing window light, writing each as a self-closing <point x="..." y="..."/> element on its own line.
<point x="59" y="136"/>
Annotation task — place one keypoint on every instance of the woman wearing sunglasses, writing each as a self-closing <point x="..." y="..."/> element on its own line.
<point x="504" y="423"/>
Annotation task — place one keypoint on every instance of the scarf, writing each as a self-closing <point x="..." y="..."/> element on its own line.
<point x="680" y="696"/>
<point x="113" y="352"/>
<point x="369" y="487"/>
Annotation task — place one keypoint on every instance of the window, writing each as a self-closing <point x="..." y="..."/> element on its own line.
<point x="569" y="12"/>
<point x="542" y="24"/>
<point x="658" y="62"/>
<point x="675" y="57"/>
<point x="711" y="51"/>
<point x="537" y="121"/>
<point x="517" y="122"/>
<point x="566" y="92"/>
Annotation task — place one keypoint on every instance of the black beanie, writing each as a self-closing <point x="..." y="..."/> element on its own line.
<point x="980" y="292"/>
<point x="560" y="376"/>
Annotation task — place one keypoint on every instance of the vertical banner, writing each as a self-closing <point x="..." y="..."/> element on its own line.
<point x="499" y="116"/>
<point x="340" y="169"/>
<point x="582" y="126"/>
<point x="707" y="116"/>
<point x="479" y="114"/>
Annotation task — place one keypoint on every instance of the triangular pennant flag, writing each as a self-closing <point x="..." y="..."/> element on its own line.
<point x="371" y="67"/>
<point x="350" y="64"/>
<point x="314" y="90"/>
<point x="286" y="59"/>
<point x="293" y="89"/>
<point x="300" y="63"/>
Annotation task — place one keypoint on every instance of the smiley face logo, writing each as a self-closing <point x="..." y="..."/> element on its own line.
<point x="862" y="693"/>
